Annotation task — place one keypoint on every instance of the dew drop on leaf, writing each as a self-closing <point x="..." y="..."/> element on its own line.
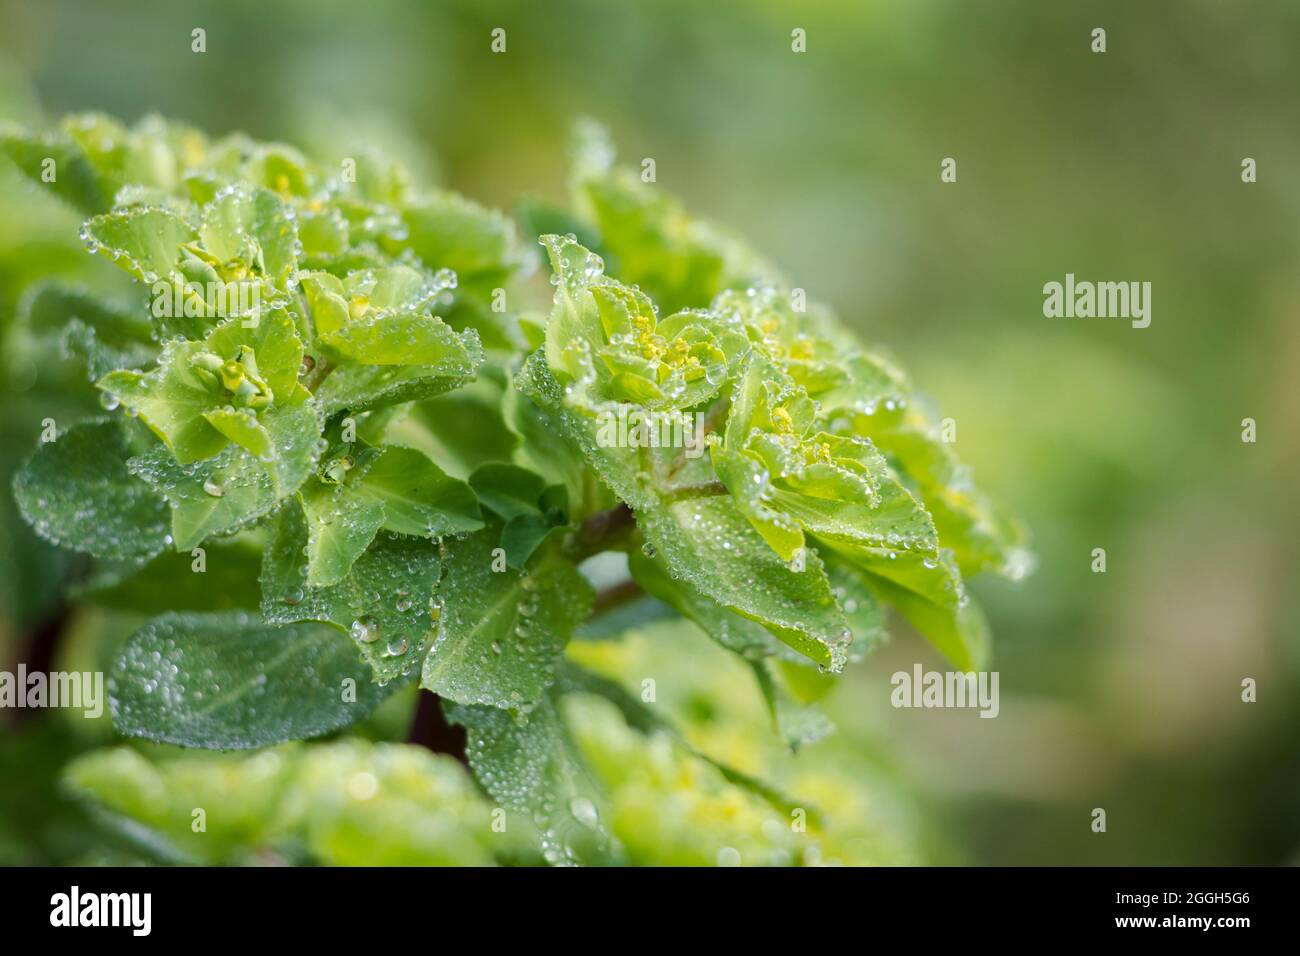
<point x="365" y="629"/>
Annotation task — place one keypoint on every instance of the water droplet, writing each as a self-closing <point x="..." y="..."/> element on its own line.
<point x="584" y="811"/>
<point x="365" y="629"/>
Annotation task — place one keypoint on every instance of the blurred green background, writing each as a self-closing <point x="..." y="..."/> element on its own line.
<point x="1119" y="690"/>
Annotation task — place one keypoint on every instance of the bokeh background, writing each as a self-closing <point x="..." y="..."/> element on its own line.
<point x="1119" y="690"/>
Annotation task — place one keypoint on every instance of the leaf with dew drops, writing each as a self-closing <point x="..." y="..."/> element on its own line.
<point x="387" y="602"/>
<point x="390" y="487"/>
<point x="396" y="339"/>
<point x="447" y="231"/>
<point x="146" y="241"/>
<point x="202" y="395"/>
<point x="229" y="682"/>
<point x="707" y="541"/>
<point x="235" y="488"/>
<point x="929" y="592"/>
<point x="359" y="387"/>
<point x="799" y="724"/>
<point x="77" y="492"/>
<point x="502" y="632"/>
<point x="532" y="767"/>
<point x="253" y="227"/>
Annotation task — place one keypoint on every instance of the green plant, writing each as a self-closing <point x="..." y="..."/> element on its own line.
<point x="335" y="459"/>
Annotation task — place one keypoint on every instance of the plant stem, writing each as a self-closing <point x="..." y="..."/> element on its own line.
<point x="703" y="489"/>
<point x="602" y="531"/>
<point x="616" y="596"/>
<point x="318" y="374"/>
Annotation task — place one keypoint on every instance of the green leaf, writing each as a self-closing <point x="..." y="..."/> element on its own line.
<point x="799" y="723"/>
<point x="650" y="720"/>
<point x="171" y="400"/>
<point x="151" y="802"/>
<point x="398" y="339"/>
<point x="532" y="510"/>
<point x="502" y="632"/>
<point x="229" y="682"/>
<point x="170" y="582"/>
<point x="424" y="809"/>
<point x="739" y="634"/>
<point x="930" y="594"/>
<point x="968" y="523"/>
<point x="144" y="240"/>
<point x="707" y="541"/>
<point x="253" y="227"/>
<point x="241" y="426"/>
<point x="534" y="769"/>
<point x="449" y="232"/>
<point x="340" y="524"/>
<point x="876" y="402"/>
<point x="358" y="388"/>
<point x="418" y="497"/>
<point x="223" y="494"/>
<point x="385" y="602"/>
<point x="190" y="399"/>
<point x="462" y="429"/>
<point x="345" y="803"/>
<point x="78" y="493"/>
<point x="392" y="487"/>
<point x="863" y="611"/>
<point x="75" y="180"/>
<point x="509" y="490"/>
